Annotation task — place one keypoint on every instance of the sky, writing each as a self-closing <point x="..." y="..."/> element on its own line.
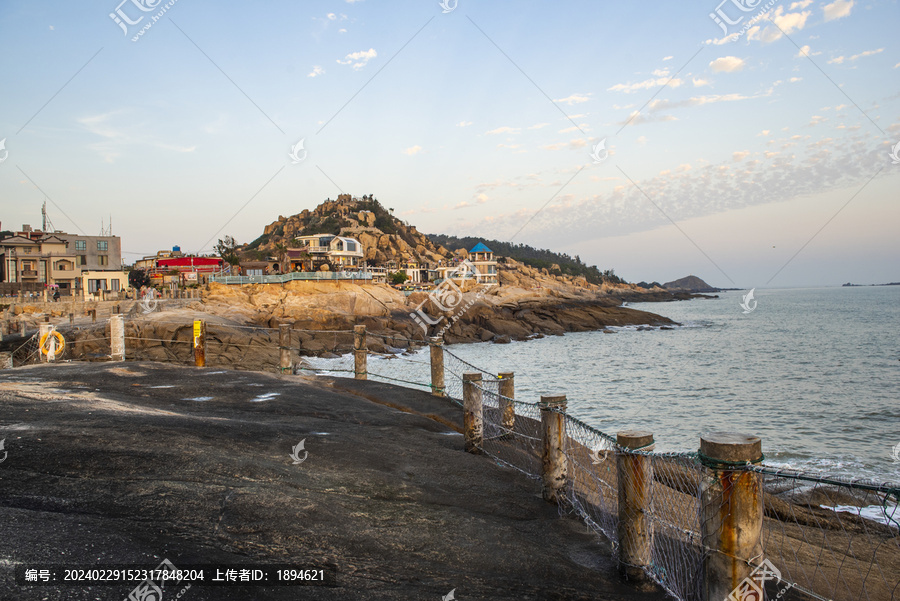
<point x="747" y="142"/>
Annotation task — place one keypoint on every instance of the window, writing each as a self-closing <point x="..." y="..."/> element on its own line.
<point x="102" y="245"/>
<point x="351" y="246"/>
<point x="115" y="285"/>
<point x="80" y="245"/>
<point x="104" y="260"/>
<point x="82" y="259"/>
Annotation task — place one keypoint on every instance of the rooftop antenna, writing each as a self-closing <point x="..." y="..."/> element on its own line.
<point x="45" y="219"/>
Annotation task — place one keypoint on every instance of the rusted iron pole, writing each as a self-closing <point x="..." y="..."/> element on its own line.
<point x="437" y="365"/>
<point x="473" y="418"/>
<point x="199" y="343"/>
<point x="507" y="392"/>
<point x="634" y="475"/>
<point x="360" y="352"/>
<point x="117" y="337"/>
<point x="731" y="512"/>
<point x="284" y="340"/>
<point x="554" y="464"/>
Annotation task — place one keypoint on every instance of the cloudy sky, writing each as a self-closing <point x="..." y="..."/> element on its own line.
<point x="747" y="142"/>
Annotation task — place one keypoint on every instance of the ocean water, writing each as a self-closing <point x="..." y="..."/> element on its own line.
<point x="814" y="372"/>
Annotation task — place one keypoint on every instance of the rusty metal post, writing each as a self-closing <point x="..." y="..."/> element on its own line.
<point x="284" y="342"/>
<point x="93" y="313"/>
<point x="507" y="392"/>
<point x="731" y="512"/>
<point x="554" y="464"/>
<point x="437" y="366"/>
<point x="634" y="475"/>
<point x="473" y="417"/>
<point x="359" y="352"/>
<point x="117" y="337"/>
<point x="6" y="360"/>
<point x="71" y="318"/>
<point x="199" y="343"/>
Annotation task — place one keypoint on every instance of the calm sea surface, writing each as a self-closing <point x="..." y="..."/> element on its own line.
<point x="814" y="372"/>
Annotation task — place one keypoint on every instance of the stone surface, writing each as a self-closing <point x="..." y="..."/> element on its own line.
<point x="128" y="463"/>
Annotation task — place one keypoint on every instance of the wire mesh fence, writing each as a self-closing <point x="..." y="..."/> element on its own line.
<point x="827" y="538"/>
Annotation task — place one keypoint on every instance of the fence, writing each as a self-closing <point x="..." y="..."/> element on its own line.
<point x="289" y="277"/>
<point x="717" y="524"/>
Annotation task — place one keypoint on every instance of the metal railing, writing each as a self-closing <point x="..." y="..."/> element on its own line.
<point x="290" y="277"/>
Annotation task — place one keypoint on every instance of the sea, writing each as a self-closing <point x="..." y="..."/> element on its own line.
<point x="814" y="372"/>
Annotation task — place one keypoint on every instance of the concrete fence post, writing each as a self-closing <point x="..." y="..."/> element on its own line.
<point x="731" y="512"/>
<point x="93" y="313"/>
<point x="473" y="416"/>
<point x="360" y="352"/>
<point x="437" y="366"/>
<point x="6" y="360"/>
<point x="507" y="392"/>
<point x="117" y="337"/>
<point x="554" y="464"/>
<point x="634" y="475"/>
<point x="71" y="318"/>
<point x="44" y="331"/>
<point x="284" y="342"/>
<point x="199" y="343"/>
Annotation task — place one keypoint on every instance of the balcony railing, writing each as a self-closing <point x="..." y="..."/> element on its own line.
<point x="29" y="273"/>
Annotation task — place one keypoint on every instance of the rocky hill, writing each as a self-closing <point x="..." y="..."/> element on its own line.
<point x="690" y="283"/>
<point x="384" y="237"/>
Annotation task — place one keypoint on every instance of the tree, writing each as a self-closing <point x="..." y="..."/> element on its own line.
<point x="283" y="258"/>
<point x="398" y="277"/>
<point x="227" y="249"/>
<point x="138" y="278"/>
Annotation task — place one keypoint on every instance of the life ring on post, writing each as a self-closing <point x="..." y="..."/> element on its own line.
<point x="60" y="343"/>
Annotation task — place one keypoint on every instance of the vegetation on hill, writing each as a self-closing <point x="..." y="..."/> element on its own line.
<point x="533" y="257"/>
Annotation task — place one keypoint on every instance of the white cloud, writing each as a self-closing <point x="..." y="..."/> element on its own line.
<point x="413" y="150"/>
<point x="358" y="59"/>
<point x="573" y="99"/>
<point x="661" y="73"/>
<point x="795" y="79"/>
<point x="740" y="155"/>
<point x="464" y="124"/>
<point x="897" y="65"/>
<point x="837" y="60"/>
<point x="538" y="125"/>
<point x="764" y="133"/>
<point x="482" y="198"/>
<point x="816" y="119"/>
<point x="331" y="16"/>
<point x="668" y="58"/>
<point x="503" y="130"/>
<point x="699" y="82"/>
<point x="727" y="64"/>
<point x="785" y="23"/>
<point x="866" y="53"/>
<point x="641" y="140"/>
<point x="645" y="85"/>
<point x="805" y="51"/>
<point x="317" y="70"/>
<point x="342" y="30"/>
<point x="837" y="9"/>
<point x="801" y="5"/>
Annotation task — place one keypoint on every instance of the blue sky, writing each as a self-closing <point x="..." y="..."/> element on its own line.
<point x="726" y="154"/>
